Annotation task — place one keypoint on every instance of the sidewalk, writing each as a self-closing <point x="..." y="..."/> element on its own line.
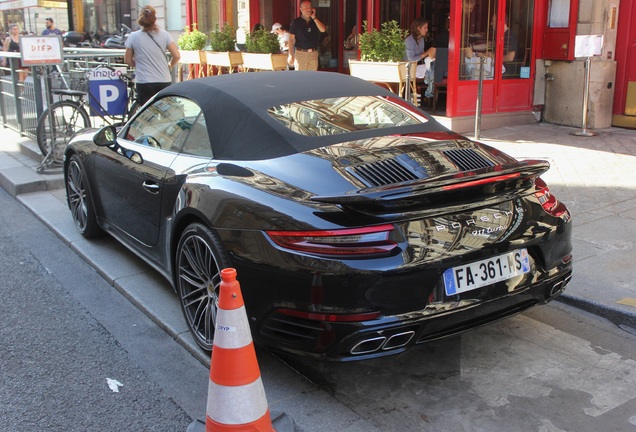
<point x="593" y="176"/>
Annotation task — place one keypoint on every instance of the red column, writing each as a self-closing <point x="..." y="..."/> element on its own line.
<point x="189" y="20"/>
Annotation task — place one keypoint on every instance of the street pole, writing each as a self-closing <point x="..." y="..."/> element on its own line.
<point x="482" y="60"/>
<point x="407" y="91"/>
<point x="586" y="94"/>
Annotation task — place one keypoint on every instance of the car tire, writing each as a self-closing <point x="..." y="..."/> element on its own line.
<point x="79" y="199"/>
<point x="198" y="264"/>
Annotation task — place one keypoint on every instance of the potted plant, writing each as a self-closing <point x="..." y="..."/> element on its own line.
<point x="385" y="45"/>
<point x="223" y="52"/>
<point x="191" y="44"/>
<point x="263" y="52"/>
<point x="382" y="55"/>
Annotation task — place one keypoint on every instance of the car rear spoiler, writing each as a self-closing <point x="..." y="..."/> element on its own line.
<point x="483" y="185"/>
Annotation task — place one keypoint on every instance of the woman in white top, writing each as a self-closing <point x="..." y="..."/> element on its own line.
<point x="146" y="52"/>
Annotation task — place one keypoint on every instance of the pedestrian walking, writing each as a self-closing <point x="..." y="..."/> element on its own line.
<point x="146" y="52"/>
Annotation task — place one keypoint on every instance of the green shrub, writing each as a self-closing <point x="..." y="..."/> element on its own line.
<point x="385" y="45"/>
<point x="224" y="39"/>
<point x="192" y="39"/>
<point x="262" y="41"/>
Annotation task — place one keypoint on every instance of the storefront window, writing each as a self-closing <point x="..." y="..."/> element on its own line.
<point x="519" y="20"/>
<point x="479" y="39"/>
<point x="559" y="13"/>
<point x="351" y="32"/>
<point x="99" y="18"/>
<point x="329" y="13"/>
<point x="402" y="11"/>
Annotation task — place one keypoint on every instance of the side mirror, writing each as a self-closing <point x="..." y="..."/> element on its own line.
<point x="105" y="136"/>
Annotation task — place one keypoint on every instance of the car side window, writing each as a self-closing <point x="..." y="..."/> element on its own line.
<point x="197" y="142"/>
<point x="165" y="124"/>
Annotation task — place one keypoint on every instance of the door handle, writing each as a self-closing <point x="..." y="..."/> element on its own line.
<point x="151" y="187"/>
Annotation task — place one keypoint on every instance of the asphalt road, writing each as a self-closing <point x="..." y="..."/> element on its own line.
<point x="65" y="333"/>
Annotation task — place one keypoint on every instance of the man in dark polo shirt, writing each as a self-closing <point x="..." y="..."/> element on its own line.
<point x="305" y="38"/>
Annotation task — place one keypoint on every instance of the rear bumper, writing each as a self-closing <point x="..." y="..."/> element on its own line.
<point x="388" y="335"/>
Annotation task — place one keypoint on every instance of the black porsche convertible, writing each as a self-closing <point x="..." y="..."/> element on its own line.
<point x="358" y="225"/>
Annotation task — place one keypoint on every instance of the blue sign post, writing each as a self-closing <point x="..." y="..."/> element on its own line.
<point x="109" y="95"/>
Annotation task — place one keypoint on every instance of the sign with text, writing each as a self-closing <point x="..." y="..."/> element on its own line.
<point x="41" y="50"/>
<point x="588" y="45"/>
<point x="108" y="93"/>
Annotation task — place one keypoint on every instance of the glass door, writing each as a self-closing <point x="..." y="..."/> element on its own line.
<point x="352" y="11"/>
<point x="328" y="12"/>
<point x="495" y="39"/>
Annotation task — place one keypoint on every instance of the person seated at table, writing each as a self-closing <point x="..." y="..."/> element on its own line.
<point x="416" y="47"/>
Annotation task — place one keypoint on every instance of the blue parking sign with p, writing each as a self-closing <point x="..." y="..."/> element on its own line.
<point x="109" y="95"/>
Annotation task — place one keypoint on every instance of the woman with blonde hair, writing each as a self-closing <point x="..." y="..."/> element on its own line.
<point x="146" y="52"/>
<point x="12" y="44"/>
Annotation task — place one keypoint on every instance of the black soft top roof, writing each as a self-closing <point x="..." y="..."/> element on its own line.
<point x="235" y="108"/>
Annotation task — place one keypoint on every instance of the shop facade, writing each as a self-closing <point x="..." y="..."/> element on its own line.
<point x="527" y="47"/>
<point x="30" y="15"/>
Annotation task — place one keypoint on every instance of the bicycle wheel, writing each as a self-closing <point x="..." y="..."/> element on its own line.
<point x="58" y="124"/>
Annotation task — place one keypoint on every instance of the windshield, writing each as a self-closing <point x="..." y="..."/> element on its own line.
<point x="332" y="116"/>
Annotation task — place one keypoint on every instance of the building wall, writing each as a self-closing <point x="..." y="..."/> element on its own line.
<point x="565" y="87"/>
<point x="564" y="94"/>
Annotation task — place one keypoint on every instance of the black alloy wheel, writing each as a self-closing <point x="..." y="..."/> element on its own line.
<point x="199" y="261"/>
<point x="79" y="199"/>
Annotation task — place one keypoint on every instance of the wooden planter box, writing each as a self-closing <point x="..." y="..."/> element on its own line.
<point x="196" y="64"/>
<point x="254" y="61"/>
<point x="228" y="59"/>
<point x="385" y="73"/>
<point x="192" y="57"/>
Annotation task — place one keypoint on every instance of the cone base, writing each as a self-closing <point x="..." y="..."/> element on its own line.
<point x="263" y="424"/>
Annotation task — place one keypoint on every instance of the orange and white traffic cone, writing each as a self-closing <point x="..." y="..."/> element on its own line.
<point x="236" y="396"/>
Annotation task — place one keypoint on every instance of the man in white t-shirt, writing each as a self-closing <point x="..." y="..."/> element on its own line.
<point x="283" y="37"/>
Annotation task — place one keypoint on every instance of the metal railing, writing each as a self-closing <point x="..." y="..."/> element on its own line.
<point x="22" y="101"/>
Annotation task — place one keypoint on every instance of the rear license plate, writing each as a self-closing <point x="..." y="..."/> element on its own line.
<point x="486" y="272"/>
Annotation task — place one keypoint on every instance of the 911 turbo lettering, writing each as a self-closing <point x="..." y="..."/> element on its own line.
<point x="488" y="230"/>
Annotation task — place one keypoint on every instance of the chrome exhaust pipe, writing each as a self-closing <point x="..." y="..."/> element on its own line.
<point x="398" y="340"/>
<point x="556" y="288"/>
<point x="368" y="345"/>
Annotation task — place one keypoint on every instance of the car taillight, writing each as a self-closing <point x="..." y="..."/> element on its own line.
<point x="351" y="243"/>
<point x="548" y="201"/>
<point x="315" y="316"/>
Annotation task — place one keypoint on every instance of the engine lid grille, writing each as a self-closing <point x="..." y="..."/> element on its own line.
<point x="399" y="169"/>
<point x="468" y="159"/>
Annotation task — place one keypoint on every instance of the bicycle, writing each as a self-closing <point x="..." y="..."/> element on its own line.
<point x="65" y="117"/>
